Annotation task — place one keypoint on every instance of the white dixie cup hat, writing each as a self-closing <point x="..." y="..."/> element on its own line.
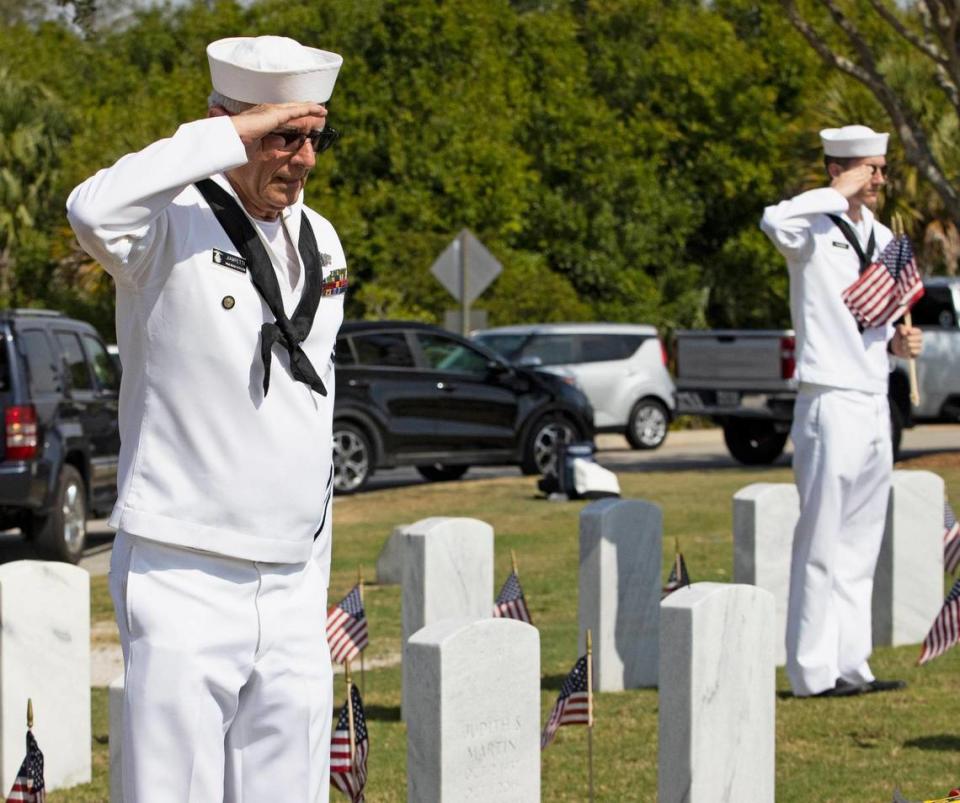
<point x="271" y="69"/>
<point x="853" y="141"/>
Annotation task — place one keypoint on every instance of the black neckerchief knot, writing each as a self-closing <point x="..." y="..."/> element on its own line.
<point x="865" y="257"/>
<point x="290" y="333"/>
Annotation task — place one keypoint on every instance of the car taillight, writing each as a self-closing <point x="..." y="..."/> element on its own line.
<point x="788" y="356"/>
<point x="21" y="432"/>
<point x="663" y="353"/>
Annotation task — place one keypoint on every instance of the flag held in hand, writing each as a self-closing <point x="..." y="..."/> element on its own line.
<point x="887" y="288"/>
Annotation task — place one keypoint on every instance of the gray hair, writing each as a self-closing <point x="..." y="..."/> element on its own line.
<point x="231" y="105"/>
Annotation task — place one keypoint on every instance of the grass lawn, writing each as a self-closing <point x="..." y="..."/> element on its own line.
<point x="856" y="749"/>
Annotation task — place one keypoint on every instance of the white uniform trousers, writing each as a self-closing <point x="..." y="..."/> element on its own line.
<point x="228" y="692"/>
<point x="843" y="464"/>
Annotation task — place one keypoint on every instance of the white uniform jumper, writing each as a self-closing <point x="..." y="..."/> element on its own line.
<point x="220" y="570"/>
<point x="842" y="450"/>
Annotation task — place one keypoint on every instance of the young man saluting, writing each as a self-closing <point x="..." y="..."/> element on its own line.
<point x="841" y="429"/>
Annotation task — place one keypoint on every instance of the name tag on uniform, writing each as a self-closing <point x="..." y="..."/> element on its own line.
<point x="335" y="282"/>
<point x="231" y="261"/>
<point x="840" y="245"/>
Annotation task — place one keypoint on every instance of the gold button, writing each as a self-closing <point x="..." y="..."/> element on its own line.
<point x="228" y="302"/>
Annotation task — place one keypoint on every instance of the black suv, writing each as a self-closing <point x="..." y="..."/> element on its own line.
<point x="58" y="457"/>
<point x="414" y="394"/>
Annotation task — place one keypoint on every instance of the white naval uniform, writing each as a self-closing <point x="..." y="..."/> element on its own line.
<point x="842" y="450"/>
<point x="221" y="567"/>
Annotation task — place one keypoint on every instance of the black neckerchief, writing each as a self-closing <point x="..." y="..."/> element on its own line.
<point x="851" y="237"/>
<point x="290" y="333"/>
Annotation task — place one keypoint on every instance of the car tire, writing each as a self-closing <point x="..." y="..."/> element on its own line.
<point x="754" y="441"/>
<point x="439" y="472"/>
<point x="539" y="452"/>
<point x="647" y="425"/>
<point x="352" y="457"/>
<point x="61" y="534"/>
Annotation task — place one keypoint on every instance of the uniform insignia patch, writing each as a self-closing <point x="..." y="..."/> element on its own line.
<point x="335" y="282"/>
<point x="231" y="261"/>
<point x="840" y="245"/>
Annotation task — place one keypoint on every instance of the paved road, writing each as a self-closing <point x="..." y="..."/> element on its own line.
<point x="692" y="449"/>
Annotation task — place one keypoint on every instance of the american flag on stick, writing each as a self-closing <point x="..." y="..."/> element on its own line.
<point x="349" y="745"/>
<point x="510" y="602"/>
<point x="679" y="577"/>
<point x="887" y="288"/>
<point x="573" y="706"/>
<point x="951" y="539"/>
<point x="28" y="786"/>
<point x="347" y="627"/>
<point x="945" y="631"/>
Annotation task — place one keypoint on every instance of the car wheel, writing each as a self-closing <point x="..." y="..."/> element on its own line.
<point x="540" y="452"/>
<point x="438" y="472"/>
<point x="62" y="533"/>
<point x="647" y="426"/>
<point x="754" y="442"/>
<point x="352" y="458"/>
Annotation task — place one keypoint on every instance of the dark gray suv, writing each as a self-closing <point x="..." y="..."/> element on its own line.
<point x="59" y="390"/>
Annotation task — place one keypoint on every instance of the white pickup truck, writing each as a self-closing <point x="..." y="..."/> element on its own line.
<point x="744" y="379"/>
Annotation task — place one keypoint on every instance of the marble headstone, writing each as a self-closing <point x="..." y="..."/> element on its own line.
<point x="447" y="574"/>
<point x="473" y="723"/>
<point x="389" y="561"/>
<point x="45" y="656"/>
<point x="621" y="550"/>
<point x="908" y="582"/>
<point x="116" y="739"/>
<point x="717" y="687"/>
<point x="764" y="517"/>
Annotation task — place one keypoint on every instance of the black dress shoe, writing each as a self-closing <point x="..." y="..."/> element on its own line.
<point x="844" y="688"/>
<point x="884" y="685"/>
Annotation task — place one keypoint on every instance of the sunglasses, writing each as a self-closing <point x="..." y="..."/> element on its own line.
<point x="319" y="140"/>
<point x="883" y="170"/>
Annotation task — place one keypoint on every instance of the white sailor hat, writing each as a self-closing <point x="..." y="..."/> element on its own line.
<point x="271" y="69"/>
<point x="853" y="141"/>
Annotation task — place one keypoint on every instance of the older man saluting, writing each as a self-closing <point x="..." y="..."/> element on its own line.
<point x="841" y="429"/>
<point x="229" y="299"/>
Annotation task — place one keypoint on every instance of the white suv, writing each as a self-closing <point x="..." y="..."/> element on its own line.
<point x="621" y="367"/>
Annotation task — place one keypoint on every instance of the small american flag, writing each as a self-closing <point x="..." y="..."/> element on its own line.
<point x="510" y="603"/>
<point x="945" y="631"/>
<point x="951" y="539"/>
<point x="28" y="786"/>
<point x="887" y="288"/>
<point x="347" y="628"/>
<point x="573" y="704"/>
<point x="346" y="774"/>
<point x="678" y="576"/>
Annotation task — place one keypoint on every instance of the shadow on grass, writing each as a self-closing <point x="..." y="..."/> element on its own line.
<point x="382" y="713"/>
<point x="944" y="742"/>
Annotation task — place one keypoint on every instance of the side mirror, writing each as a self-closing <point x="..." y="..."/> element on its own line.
<point x="530" y="361"/>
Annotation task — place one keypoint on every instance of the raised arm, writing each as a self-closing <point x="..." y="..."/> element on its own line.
<point x="119" y="214"/>
<point x="787" y="223"/>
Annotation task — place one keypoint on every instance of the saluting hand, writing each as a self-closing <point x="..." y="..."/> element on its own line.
<point x="907" y="341"/>
<point x="850" y="182"/>
<point x="255" y="123"/>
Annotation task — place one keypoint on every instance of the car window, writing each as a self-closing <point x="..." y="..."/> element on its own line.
<point x="343" y="354"/>
<point x="505" y="345"/>
<point x="74" y="361"/>
<point x="103" y="366"/>
<point x="935" y="308"/>
<point x="446" y="354"/>
<point x="42" y="371"/>
<point x="387" y="349"/>
<point x="551" y="349"/>
<point x="604" y="347"/>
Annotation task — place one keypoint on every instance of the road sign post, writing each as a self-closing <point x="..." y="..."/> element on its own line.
<point x="466" y="268"/>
